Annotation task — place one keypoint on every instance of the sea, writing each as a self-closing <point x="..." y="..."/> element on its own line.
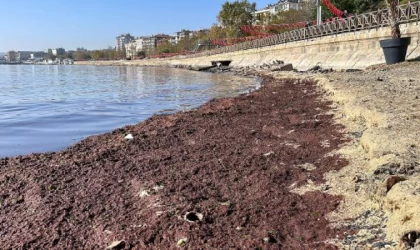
<point x="50" y="107"/>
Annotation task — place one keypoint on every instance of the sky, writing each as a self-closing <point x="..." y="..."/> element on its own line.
<point x="93" y="24"/>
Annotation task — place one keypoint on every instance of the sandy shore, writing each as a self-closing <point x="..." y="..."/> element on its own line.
<point x="297" y="164"/>
<point x="380" y="108"/>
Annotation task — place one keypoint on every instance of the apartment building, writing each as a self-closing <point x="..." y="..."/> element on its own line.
<point x="123" y="40"/>
<point x="273" y="9"/>
<point x="58" y="52"/>
<point x="182" y="34"/>
<point x="131" y="49"/>
<point x="151" y="42"/>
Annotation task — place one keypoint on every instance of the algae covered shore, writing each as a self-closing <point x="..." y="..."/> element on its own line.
<point x="302" y="163"/>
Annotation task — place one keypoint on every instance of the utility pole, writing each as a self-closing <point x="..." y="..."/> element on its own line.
<point x="318" y="12"/>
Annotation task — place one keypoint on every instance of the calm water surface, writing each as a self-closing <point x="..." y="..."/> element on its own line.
<point x="48" y="108"/>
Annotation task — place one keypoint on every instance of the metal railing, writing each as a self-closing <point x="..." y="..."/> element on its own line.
<point x="406" y="13"/>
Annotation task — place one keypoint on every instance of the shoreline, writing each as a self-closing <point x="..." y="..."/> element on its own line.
<point x="365" y="216"/>
<point x="107" y="106"/>
<point x="231" y="161"/>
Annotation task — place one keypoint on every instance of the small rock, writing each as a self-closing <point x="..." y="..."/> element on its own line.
<point x="143" y="193"/>
<point x="308" y="167"/>
<point x="268" y="154"/>
<point x="119" y="244"/>
<point x="357" y="179"/>
<point x="129" y="137"/>
<point x="182" y="242"/>
<point x="284" y="67"/>
<point x="352" y="70"/>
<point x="226" y="203"/>
<point x="411" y="239"/>
<point x="391" y="181"/>
<point x="269" y="239"/>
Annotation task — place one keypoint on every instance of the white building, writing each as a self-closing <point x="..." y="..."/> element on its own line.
<point x="149" y="43"/>
<point x="145" y="44"/>
<point x="122" y="41"/>
<point x="273" y="9"/>
<point x="131" y="49"/>
<point x="178" y="36"/>
<point x="139" y="43"/>
<point x="58" y="51"/>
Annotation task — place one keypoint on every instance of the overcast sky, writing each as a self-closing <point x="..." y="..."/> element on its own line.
<point x="94" y="24"/>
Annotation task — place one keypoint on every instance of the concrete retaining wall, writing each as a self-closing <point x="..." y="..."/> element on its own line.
<point x="342" y="51"/>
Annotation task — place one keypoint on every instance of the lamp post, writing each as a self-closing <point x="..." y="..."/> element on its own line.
<point x="318" y="12"/>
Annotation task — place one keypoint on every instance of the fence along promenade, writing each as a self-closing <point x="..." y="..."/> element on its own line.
<point x="406" y="13"/>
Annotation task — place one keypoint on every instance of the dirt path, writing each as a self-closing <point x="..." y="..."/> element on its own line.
<point x="218" y="177"/>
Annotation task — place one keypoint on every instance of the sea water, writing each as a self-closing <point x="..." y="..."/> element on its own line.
<point x="50" y="107"/>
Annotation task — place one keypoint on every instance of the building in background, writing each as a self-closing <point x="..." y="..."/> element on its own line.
<point x="139" y="43"/>
<point x="3" y="58"/>
<point x="151" y="42"/>
<point x="273" y="9"/>
<point x="11" y="56"/>
<point x="58" y="52"/>
<point x="37" y="55"/>
<point x="122" y="41"/>
<point x="178" y="36"/>
<point x="201" y="32"/>
<point x="131" y="49"/>
<point x="23" y="55"/>
<point x="147" y="44"/>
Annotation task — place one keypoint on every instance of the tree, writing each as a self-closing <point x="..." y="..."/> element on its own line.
<point x="290" y="16"/>
<point x="216" y="31"/>
<point x="165" y="47"/>
<point x="98" y="55"/>
<point x="141" y="54"/>
<point x="50" y="57"/>
<point x="121" y="53"/>
<point x="188" y="43"/>
<point x="68" y="55"/>
<point x="354" y="6"/>
<point x="235" y="14"/>
<point x="82" y="55"/>
<point x="393" y="18"/>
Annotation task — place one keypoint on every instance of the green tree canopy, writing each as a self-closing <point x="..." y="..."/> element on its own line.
<point x="355" y="6"/>
<point x="306" y="13"/>
<point x="82" y="55"/>
<point x="235" y="14"/>
<point x="216" y="31"/>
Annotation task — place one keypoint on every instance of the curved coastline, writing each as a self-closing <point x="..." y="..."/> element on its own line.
<point x="236" y="158"/>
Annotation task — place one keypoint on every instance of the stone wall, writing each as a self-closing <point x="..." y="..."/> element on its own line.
<point x="342" y="51"/>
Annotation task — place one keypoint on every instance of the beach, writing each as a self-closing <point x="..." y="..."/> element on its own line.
<point x="308" y="161"/>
